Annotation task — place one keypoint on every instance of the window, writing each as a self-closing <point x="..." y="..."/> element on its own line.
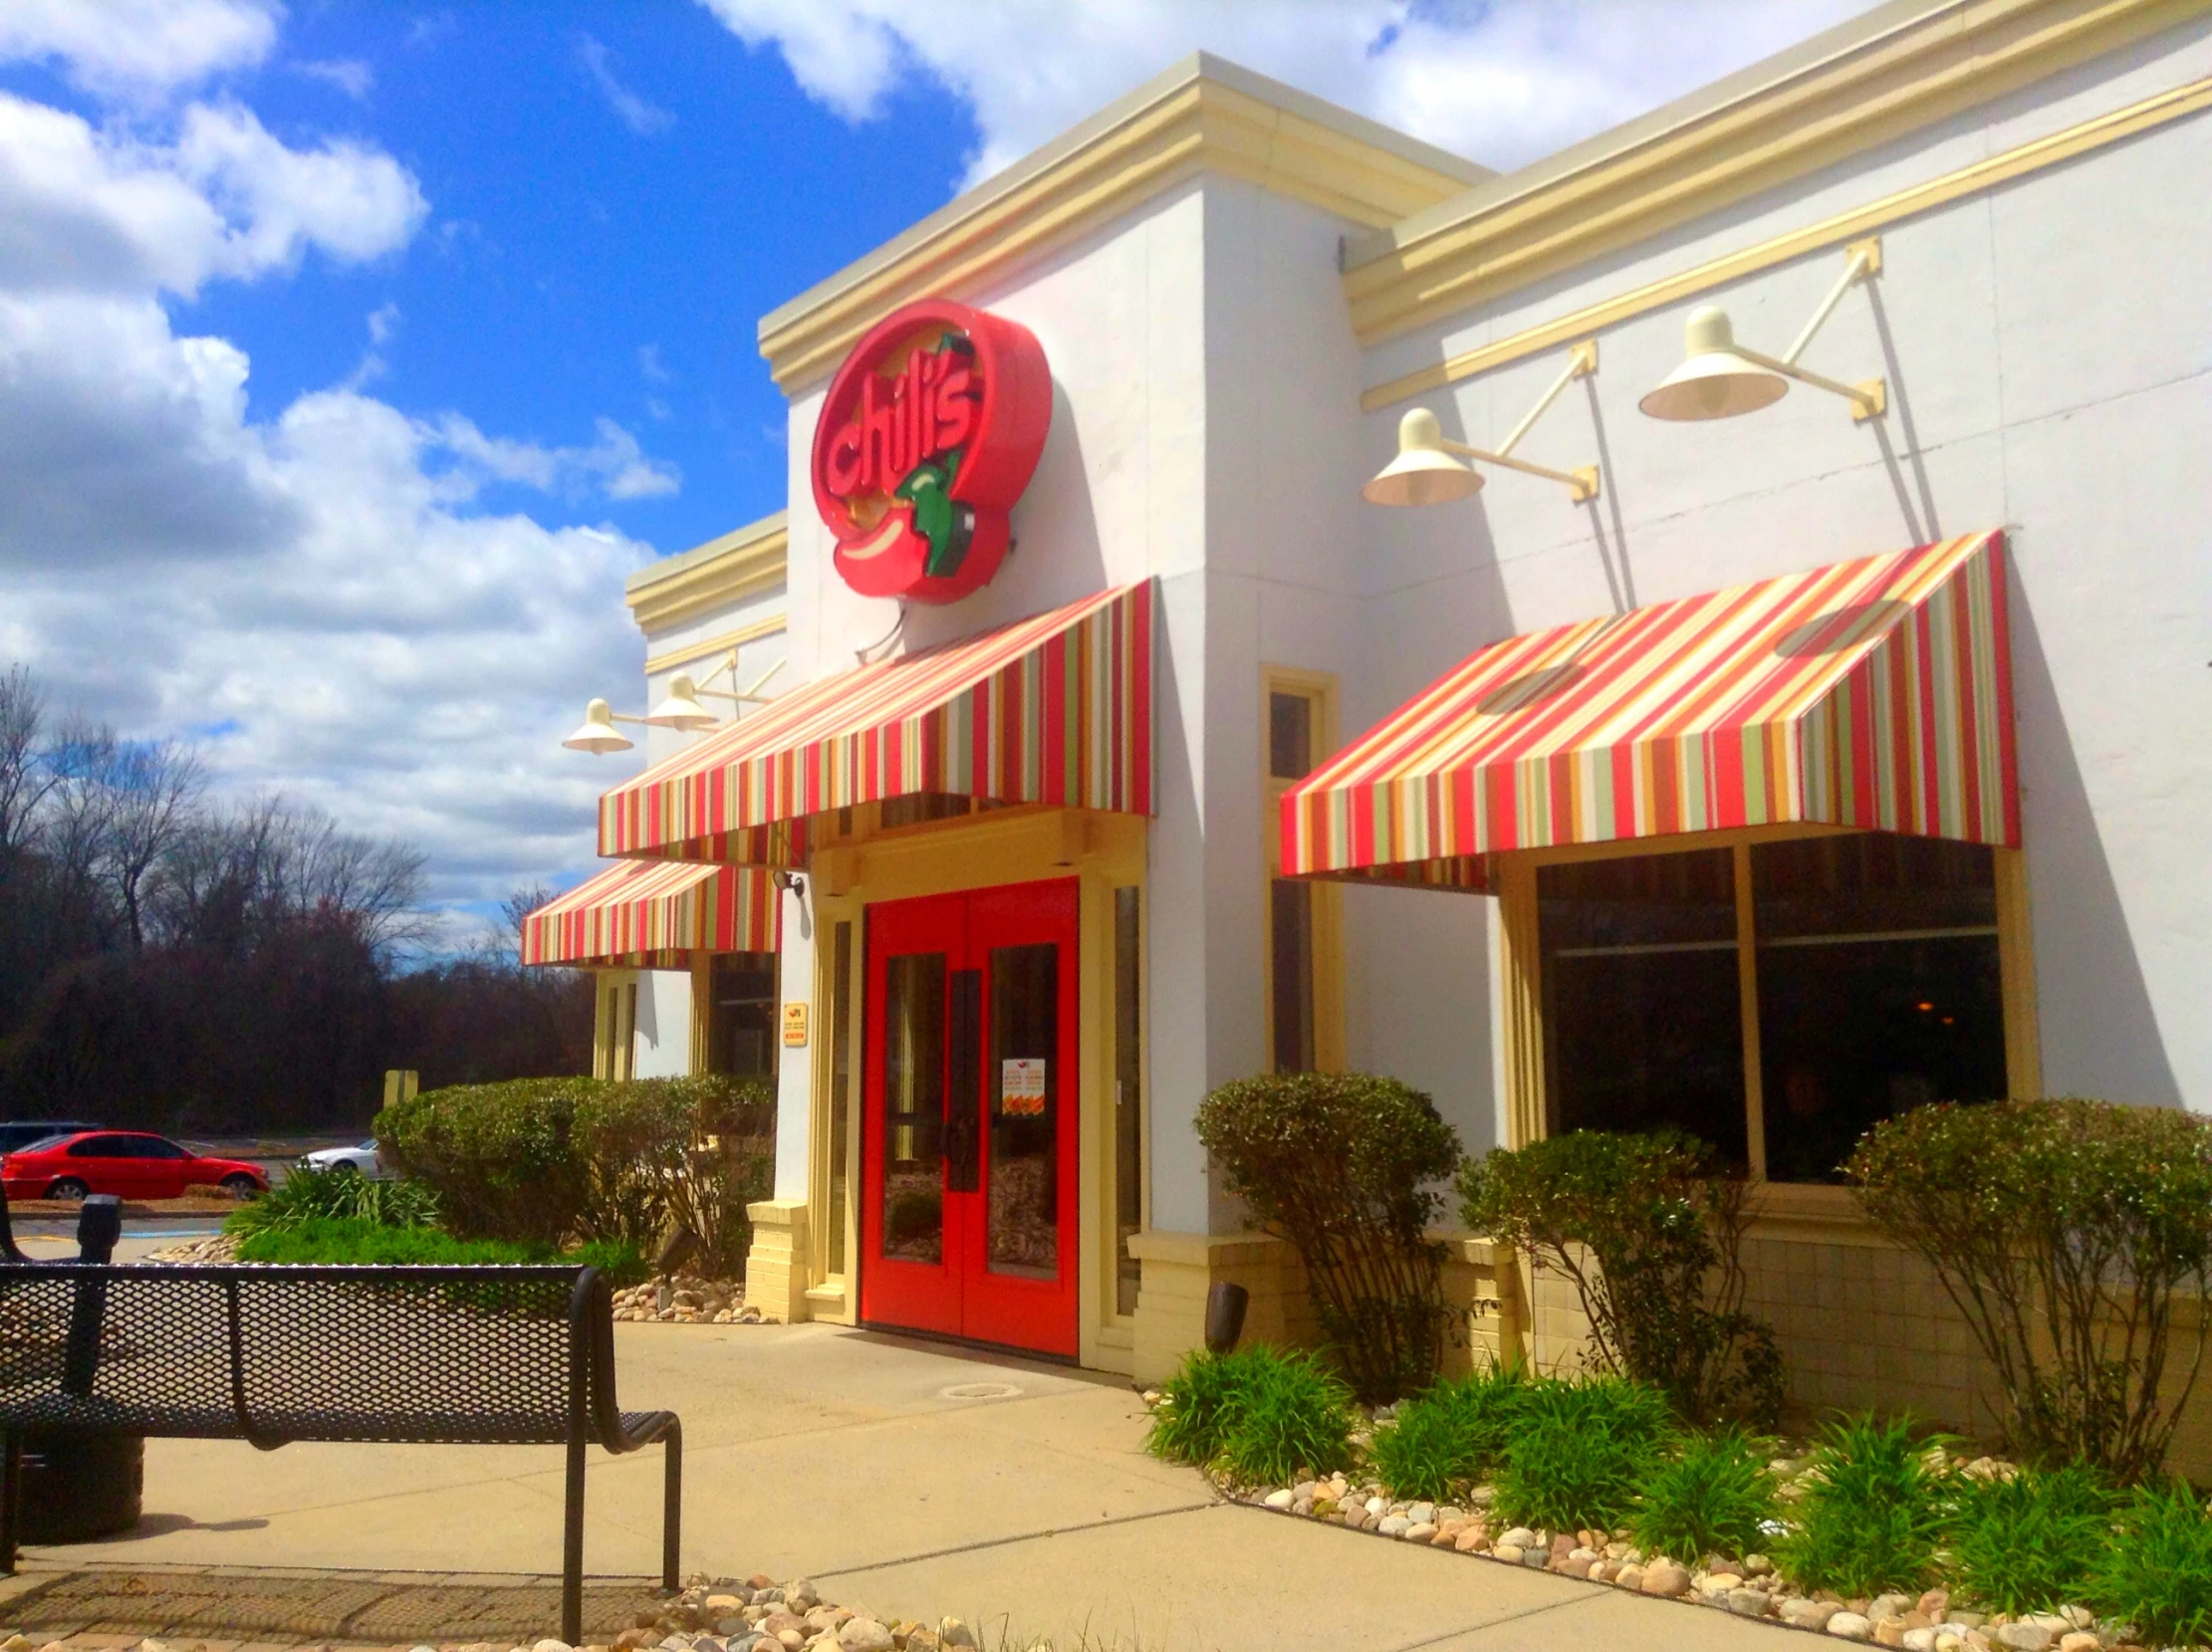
<point x="1643" y="1012"/>
<point x="1773" y="999"/>
<point x="1879" y="988"/>
<point x="1299" y="974"/>
<point x="840" y="1083"/>
<point x="1129" y="1098"/>
<point x="741" y="1014"/>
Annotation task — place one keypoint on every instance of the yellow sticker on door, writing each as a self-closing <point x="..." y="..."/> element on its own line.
<point x="1022" y="1086"/>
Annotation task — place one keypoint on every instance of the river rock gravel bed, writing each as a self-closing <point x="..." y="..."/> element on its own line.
<point x="1746" y="1585"/>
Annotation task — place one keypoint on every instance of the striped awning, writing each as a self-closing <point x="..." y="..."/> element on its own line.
<point x="1056" y="709"/>
<point x="1873" y="693"/>
<point x="651" y="914"/>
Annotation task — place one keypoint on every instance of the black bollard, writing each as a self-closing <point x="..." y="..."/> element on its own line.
<point x="1225" y="1306"/>
<point x="99" y="1226"/>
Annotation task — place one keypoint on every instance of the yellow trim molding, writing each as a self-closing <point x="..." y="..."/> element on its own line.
<point x="771" y="626"/>
<point x="1202" y="116"/>
<point x="740" y="563"/>
<point x="1898" y="70"/>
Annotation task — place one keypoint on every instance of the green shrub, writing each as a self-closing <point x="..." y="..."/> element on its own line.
<point x="305" y="1194"/>
<point x="1258" y="1415"/>
<point x="541" y="1160"/>
<point x="1714" y="1496"/>
<point x="1578" y="1449"/>
<point x="2029" y="1544"/>
<point x="499" y="1157"/>
<point x="1872" y="1513"/>
<point x="348" y="1240"/>
<point x="2065" y="1232"/>
<point x="1337" y="1164"/>
<point x="2156" y="1573"/>
<point x="1291" y="1417"/>
<point x="1650" y="1232"/>
<point x="1447" y="1439"/>
<point x="1192" y="1421"/>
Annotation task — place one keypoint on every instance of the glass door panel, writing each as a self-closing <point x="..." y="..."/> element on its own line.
<point x="1022" y="1231"/>
<point x="915" y="1108"/>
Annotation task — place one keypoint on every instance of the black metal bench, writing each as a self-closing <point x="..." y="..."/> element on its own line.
<point x="271" y="1354"/>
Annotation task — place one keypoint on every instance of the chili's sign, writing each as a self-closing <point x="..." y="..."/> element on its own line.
<point x="931" y="433"/>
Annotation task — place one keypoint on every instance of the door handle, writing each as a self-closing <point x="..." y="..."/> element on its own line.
<point x="964" y="1089"/>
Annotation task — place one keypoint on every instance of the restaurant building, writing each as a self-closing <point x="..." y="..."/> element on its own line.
<point x="1760" y="763"/>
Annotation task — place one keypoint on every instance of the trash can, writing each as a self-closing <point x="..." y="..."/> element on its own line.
<point x="77" y="1487"/>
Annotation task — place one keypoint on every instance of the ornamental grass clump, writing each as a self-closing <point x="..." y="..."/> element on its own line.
<point x="306" y="1195"/>
<point x="1578" y="1449"/>
<point x="2030" y="1544"/>
<point x="1339" y="1164"/>
<point x="1715" y="1494"/>
<point x="1875" y="1507"/>
<point x="2065" y="1232"/>
<point x="1649" y="1229"/>
<point x="1445" y="1440"/>
<point x="1259" y="1416"/>
<point x="2156" y="1572"/>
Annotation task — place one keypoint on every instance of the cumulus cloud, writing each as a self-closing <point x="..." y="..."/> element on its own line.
<point x="84" y="208"/>
<point x="343" y="601"/>
<point x="1501" y="83"/>
<point x="350" y="74"/>
<point x="138" y="47"/>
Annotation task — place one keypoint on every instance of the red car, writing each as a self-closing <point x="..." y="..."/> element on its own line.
<point x="121" y="1162"/>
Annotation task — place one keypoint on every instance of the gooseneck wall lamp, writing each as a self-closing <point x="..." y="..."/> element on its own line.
<point x="1719" y="377"/>
<point x="679" y="709"/>
<point x="1428" y="471"/>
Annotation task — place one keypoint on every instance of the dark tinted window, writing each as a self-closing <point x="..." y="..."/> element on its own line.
<point x="1643" y="1010"/>
<point x="1289" y="736"/>
<point x="153" y="1148"/>
<point x="1880" y="989"/>
<point x="99" y="1147"/>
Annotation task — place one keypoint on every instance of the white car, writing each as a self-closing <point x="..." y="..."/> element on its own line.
<point x="359" y="1159"/>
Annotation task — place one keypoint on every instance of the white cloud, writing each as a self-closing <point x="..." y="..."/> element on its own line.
<point x="140" y="48"/>
<point x="350" y="74"/>
<point x="1502" y="84"/>
<point x="87" y="209"/>
<point x="328" y="594"/>
<point x="635" y="113"/>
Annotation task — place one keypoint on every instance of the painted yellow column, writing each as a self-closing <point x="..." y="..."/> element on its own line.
<point x="777" y="1267"/>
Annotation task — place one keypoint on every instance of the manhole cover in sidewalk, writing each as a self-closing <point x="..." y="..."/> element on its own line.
<point x="979" y="1391"/>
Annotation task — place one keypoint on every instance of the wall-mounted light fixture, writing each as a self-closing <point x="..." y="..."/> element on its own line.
<point x="1427" y="470"/>
<point x="681" y="708"/>
<point x="1719" y="377"/>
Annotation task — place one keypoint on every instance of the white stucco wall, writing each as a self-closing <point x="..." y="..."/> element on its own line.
<point x="2047" y="347"/>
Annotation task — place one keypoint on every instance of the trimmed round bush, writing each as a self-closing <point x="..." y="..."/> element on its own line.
<point x="1341" y="1164"/>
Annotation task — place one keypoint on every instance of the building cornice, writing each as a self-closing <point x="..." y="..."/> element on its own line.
<point x="1896" y="70"/>
<point x="1204" y="116"/>
<point x="740" y="563"/>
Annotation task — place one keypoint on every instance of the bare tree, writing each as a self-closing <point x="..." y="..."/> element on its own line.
<point x="514" y="914"/>
<point x="24" y="778"/>
<point x="155" y="790"/>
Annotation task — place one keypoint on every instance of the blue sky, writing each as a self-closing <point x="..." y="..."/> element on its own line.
<point x="353" y="353"/>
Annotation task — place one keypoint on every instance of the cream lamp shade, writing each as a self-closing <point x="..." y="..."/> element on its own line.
<point x="1423" y="473"/>
<point x="598" y="732"/>
<point x="681" y="709"/>
<point x="1714" y="382"/>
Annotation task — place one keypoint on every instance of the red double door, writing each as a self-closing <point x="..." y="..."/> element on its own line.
<point x="968" y="1210"/>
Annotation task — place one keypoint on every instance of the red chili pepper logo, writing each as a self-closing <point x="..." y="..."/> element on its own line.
<point x="931" y="431"/>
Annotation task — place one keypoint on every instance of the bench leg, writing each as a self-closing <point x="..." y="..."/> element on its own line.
<point x="11" y="1497"/>
<point x="572" y="1549"/>
<point x="671" y="1508"/>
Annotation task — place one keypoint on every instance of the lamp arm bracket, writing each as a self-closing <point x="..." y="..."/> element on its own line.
<point x="1863" y="262"/>
<point x="1581" y="482"/>
<point x="1870" y="398"/>
<point x="1582" y="361"/>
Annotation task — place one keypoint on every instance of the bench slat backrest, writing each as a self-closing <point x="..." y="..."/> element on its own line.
<point x="275" y="1353"/>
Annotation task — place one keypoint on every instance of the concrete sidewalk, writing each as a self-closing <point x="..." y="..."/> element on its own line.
<point x="911" y="1479"/>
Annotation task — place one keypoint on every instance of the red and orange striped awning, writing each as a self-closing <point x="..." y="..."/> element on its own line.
<point x="651" y="914"/>
<point x="1056" y="709"/>
<point x="1873" y="693"/>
